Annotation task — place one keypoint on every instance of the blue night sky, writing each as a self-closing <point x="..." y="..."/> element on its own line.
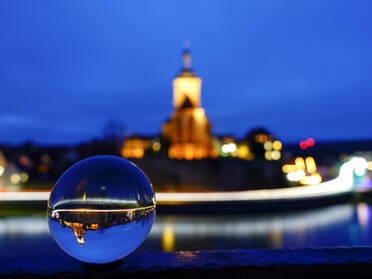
<point x="299" y="68"/>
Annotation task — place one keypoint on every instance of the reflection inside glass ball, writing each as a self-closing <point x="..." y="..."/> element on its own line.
<point x="101" y="209"/>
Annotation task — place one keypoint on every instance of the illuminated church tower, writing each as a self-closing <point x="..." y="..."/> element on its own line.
<point x="188" y="130"/>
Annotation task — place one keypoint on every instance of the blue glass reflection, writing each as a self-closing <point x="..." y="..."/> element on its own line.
<point x="101" y="209"/>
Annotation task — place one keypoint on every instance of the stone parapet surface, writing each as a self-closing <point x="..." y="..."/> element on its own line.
<point x="340" y="262"/>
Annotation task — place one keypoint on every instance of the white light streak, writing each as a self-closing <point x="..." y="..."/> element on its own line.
<point x="361" y="166"/>
<point x="340" y="185"/>
<point x="24" y="196"/>
<point x="95" y="200"/>
<point x="103" y="210"/>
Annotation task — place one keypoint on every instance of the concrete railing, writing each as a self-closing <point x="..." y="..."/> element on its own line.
<point x="342" y="262"/>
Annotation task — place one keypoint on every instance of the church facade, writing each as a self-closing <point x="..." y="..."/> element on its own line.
<point x="187" y="134"/>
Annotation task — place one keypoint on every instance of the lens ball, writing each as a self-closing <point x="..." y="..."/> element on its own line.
<point x="101" y="209"/>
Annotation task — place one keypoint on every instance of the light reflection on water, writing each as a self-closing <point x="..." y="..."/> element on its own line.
<point x="338" y="225"/>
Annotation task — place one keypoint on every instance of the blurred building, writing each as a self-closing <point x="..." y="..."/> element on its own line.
<point x="3" y="165"/>
<point x="262" y="145"/>
<point x="140" y="146"/>
<point x="187" y="133"/>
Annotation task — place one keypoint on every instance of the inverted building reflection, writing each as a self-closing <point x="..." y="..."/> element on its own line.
<point x="81" y="220"/>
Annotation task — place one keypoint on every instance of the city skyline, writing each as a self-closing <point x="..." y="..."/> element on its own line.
<point x="299" y="70"/>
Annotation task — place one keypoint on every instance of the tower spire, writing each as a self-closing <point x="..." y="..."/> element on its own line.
<point x="186" y="55"/>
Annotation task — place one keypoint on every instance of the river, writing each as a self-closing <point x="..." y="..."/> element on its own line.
<point x="336" y="225"/>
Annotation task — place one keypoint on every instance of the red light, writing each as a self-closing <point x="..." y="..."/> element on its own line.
<point x="310" y="141"/>
<point x="303" y="145"/>
<point x="24" y="160"/>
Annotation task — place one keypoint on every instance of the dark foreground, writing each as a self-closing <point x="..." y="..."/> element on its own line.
<point x="352" y="262"/>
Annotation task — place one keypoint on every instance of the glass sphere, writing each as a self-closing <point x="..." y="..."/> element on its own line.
<point x="101" y="209"/>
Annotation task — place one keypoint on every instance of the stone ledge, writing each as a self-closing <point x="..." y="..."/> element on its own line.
<point x="341" y="262"/>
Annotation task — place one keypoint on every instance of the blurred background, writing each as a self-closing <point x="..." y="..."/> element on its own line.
<point x="267" y="102"/>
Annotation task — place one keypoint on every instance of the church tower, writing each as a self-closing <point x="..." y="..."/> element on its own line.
<point x="187" y="85"/>
<point x="188" y="132"/>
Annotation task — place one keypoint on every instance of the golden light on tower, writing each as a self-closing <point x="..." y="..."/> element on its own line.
<point x="186" y="87"/>
<point x="188" y="130"/>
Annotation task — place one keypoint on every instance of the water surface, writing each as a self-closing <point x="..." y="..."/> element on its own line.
<point x="337" y="225"/>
